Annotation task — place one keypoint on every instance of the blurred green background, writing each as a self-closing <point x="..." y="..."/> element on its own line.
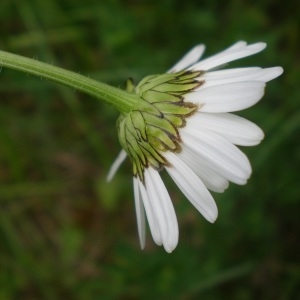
<point x="67" y="234"/>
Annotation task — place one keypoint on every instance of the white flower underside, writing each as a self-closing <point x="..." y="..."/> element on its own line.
<point x="209" y="158"/>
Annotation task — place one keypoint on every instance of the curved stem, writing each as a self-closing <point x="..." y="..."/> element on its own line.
<point x="121" y="100"/>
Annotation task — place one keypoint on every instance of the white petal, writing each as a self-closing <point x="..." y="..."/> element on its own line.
<point x="115" y="166"/>
<point x="237" y="45"/>
<point x="238" y="75"/>
<point x="228" y="55"/>
<point x="192" y="187"/>
<point x="224" y="158"/>
<point x="211" y="179"/>
<point x="227" y="97"/>
<point x="235" y="129"/>
<point x="151" y="217"/>
<point x="188" y="59"/>
<point x="140" y="213"/>
<point x="162" y="208"/>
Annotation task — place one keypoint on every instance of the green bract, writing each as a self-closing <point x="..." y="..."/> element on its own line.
<point x="152" y="126"/>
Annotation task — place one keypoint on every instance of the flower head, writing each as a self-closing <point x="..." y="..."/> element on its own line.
<point x="182" y="123"/>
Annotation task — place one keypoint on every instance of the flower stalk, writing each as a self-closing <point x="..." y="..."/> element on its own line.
<point x="119" y="99"/>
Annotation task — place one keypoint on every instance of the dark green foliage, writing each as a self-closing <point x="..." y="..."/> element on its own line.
<point x="67" y="234"/>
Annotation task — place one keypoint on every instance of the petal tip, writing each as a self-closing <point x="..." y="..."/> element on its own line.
<point x="169" y="249"/>
<point x="278" y="71"/>
<point x="260" y="45"/>
<point x="213" y="217"/>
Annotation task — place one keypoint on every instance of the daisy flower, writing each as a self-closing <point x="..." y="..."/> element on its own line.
<point x="183" y="124"/>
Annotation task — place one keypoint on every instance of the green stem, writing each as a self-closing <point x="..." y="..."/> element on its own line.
<point x="121" y="100"/>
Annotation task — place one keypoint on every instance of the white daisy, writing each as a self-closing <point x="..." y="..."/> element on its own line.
<point x="184" y="125"/>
